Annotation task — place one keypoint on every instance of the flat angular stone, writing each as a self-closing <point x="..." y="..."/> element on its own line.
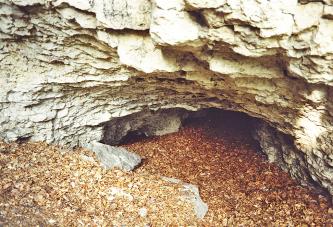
<point x="192" y="195"/>
<point x="111" y="156"/>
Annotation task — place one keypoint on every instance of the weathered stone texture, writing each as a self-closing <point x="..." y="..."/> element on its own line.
<point x="110" y="157"/>
<point x="70" y="67"/>
<point x="192" y="195"/>
<point x="145" y="123"/>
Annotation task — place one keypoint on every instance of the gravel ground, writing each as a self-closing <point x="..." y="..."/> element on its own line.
<point x="49" y="185"/>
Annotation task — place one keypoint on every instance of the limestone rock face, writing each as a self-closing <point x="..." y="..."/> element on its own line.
<point x="280" y="149"/>
<point x="68" y="68"/>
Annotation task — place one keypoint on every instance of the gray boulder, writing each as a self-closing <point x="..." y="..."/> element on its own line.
<point x="111" y="156"/>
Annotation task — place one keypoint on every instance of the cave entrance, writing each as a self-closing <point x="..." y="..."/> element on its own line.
<point x="231" y="125"/>
<point x="214" y="150"/>
<point x="222" y="123"/>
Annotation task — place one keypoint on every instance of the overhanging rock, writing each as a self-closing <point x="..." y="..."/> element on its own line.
<point x="70" y="67"/>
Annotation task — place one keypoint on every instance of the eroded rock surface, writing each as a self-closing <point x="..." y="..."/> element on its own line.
<point x="70" y="67"/>
<point x="144" y="123"/>
<point x="280" y="149"/>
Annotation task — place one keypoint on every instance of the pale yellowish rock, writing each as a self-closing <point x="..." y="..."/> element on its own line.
<point x="171" y="25"/>
<point x="117" y="14"/>
<point x="140" y="52"/>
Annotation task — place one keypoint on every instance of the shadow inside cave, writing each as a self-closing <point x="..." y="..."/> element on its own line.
<point x="232" y="125"/>
<point x="224" y="123"/>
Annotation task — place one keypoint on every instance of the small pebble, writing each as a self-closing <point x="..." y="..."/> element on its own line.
<point x="52" y="221"/>
<point x="143" y="212"/>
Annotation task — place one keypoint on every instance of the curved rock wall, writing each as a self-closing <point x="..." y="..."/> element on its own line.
<point x="69" y="67"/>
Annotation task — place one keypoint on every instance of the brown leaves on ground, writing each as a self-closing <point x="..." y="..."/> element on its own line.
<point x="47" y="185"/>
<point x="235" y="180"/>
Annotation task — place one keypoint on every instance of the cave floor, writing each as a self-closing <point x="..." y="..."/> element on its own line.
<point x="234" y="179"/>
<point x="48" y="185"/>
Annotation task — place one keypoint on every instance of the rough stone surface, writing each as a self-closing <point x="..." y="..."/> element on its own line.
<point x="280" y="149"/>
<point x="145" y="123"/>
<point x="70" y="67"/>
<point x="116" y="14"/>
<point x="191" y="193"/>
<point x="110" y="156"/>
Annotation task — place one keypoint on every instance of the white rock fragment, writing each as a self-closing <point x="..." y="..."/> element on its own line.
<point x="115" y="192"/>
<point x="87" y="158"/>
<point x="192" y="194"/>
<point x="51" y="221"/>
<point x="143" y="212"/>
<point x="201" y="208"/>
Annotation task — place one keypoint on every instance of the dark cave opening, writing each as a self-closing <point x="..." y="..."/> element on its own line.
<point x="145" y="124"/>
<point x="133" y="136"/>
<point x="229" y="127"/>
<point x="230" y="121"/>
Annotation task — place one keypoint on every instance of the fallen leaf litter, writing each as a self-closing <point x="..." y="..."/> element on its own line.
<point x="41" y="186"/>
<point x="234" y="179"/>
<point x="47" y="185"/>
